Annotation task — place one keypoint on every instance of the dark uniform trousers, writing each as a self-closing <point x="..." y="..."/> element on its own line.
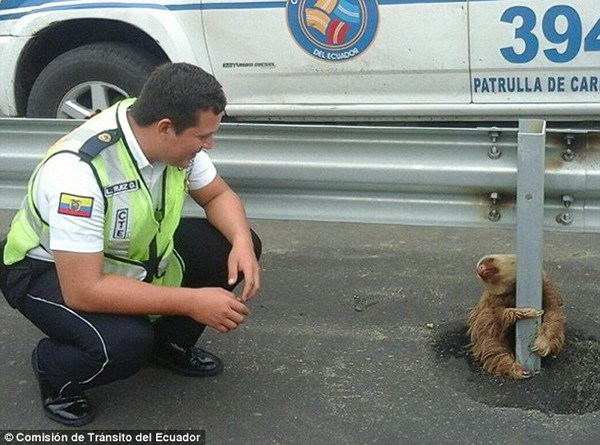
<point x="84" y="350"/>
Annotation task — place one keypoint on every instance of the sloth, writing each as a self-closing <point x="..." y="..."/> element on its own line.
<point x="492" y="322"/>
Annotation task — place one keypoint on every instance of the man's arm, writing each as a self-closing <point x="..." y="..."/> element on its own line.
<point x="85" y="287"/>
<point x="225" y="210"/>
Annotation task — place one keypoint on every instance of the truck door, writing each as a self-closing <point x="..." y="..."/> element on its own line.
<point x="543" y="51"/>
<point x="355" y="55"/>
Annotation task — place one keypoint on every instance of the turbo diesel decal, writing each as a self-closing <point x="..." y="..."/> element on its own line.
<point x="333" y="30"/>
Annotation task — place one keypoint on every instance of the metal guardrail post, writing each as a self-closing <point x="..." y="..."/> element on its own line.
<point x="531" y="143"/>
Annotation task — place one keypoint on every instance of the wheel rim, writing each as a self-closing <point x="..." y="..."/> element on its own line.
<point x="88" y="98"/>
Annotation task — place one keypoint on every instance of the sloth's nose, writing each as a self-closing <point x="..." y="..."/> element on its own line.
<point x="481" y="267"/>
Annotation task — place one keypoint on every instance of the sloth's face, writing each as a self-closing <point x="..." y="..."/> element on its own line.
<point x="498" y="270"/>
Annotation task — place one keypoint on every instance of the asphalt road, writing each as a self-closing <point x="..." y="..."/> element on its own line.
<point x="357" y="337"/>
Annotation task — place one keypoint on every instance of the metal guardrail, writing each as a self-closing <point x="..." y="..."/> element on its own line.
<point x="419" y="176"/>
<point x="462" y="177"/>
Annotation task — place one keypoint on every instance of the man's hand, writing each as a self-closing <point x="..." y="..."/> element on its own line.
<point x="218" y="308"/>
<point x="225" y="210"/>
<point x="242" y="259"/>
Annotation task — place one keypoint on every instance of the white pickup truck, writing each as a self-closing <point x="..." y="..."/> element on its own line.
<point x="312" y="60"/>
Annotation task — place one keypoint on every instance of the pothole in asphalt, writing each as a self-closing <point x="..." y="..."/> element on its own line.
<point x="567" y="384"/>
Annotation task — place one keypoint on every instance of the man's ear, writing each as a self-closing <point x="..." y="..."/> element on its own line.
<point x="163" y="127"/>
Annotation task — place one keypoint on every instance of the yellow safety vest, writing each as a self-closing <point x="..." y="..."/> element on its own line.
<point x="138" y="239"/>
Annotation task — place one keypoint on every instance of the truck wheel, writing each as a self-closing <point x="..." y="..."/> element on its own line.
<point x="88" y="79"/>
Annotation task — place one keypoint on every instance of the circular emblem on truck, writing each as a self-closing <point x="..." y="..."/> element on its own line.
<point x="333" y="30"/>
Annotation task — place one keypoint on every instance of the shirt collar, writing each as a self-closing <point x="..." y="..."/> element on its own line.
<point x="134" y="146"/>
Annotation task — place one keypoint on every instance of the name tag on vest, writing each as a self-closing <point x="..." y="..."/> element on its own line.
<point x="123" y="187"/>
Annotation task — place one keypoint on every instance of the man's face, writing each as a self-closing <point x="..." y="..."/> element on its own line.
<point x="180" y="149"/>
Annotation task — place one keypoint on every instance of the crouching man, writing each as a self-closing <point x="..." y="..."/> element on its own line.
<point x="100" y="260"/>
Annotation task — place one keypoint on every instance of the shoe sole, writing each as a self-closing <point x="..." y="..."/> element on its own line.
<point x="168" y="365"/>
<point x="49" y="415"/>
<point x="74" y="423"/>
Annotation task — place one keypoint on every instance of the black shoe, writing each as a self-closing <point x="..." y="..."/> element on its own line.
<point x="192" y="361"/>
<point x="74" y="410"/>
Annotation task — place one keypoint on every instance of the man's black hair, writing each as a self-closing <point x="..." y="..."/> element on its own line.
<point x="178" y="91"/>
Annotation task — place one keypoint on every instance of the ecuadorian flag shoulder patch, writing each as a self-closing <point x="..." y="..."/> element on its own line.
<point x="76" y="205"/>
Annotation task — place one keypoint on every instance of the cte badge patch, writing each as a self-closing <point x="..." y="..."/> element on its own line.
<point x="333" y="30"/>
<point x="75" y="205"/>
<point x="121" y="224"/>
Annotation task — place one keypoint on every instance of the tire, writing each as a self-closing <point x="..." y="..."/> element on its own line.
<point x="112" y="71"/>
